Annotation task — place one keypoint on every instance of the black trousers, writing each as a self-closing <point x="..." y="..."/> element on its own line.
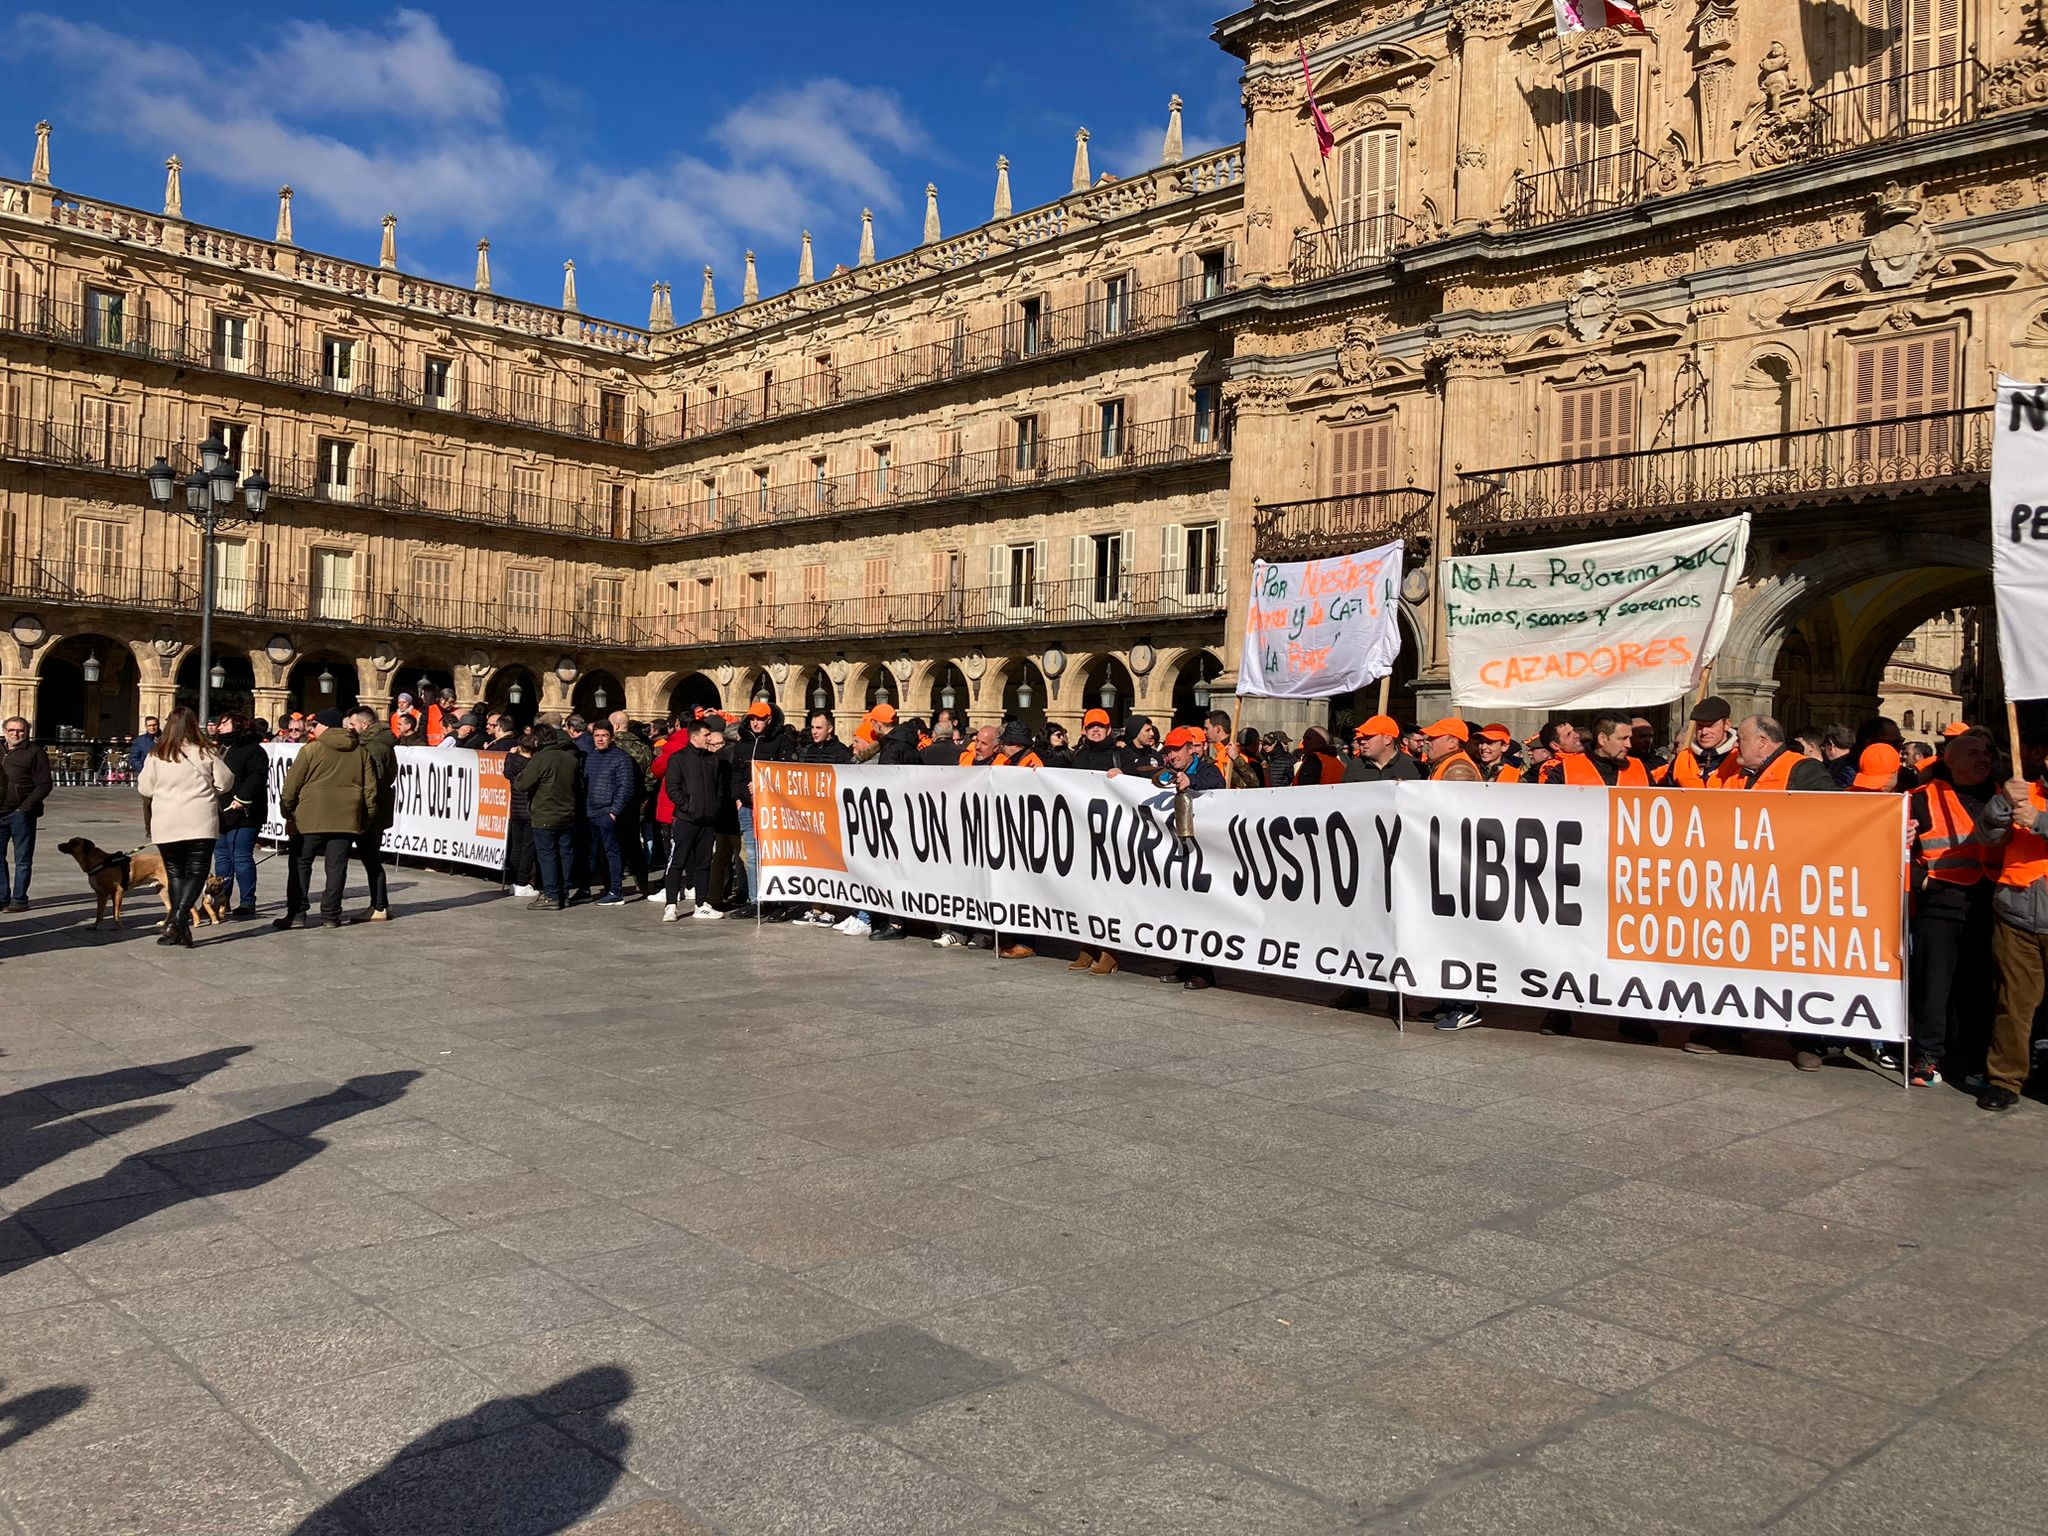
<point x="187" y="863"/>
<point x="1952" y="972"/>
<point x="370" y="850"/>
<point x="331" y="848"/>
<point x="689" y="859"/>
<point x="294" y="882"/>
<point x="519" y="864"/>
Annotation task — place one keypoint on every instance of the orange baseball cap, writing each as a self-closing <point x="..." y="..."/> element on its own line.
<point x="1495" y="733"/>
<point x="1186" y="736"/>
<point x="761" y="709"/>
<point x="1877" y="768"/>
<point x="1955" y="728"/>
<point x="883" y="714"/>
<point x="1449" y="726"/>
<point x="1095" y="717"/>
<point x="1379" y="725"/>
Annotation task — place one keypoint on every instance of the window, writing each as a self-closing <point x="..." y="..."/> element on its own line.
<point x="1106" y="562"/>
<point x="1600" y="138"/>
<point x="433" y="582"/>
<point x="526" y="396"/>
<point x="1111" y="436"/>
<point x="881" y="471"/>
<point x="874" y="577"/>
<point x="1205" y="414"/>
<point x="232" y="436"/>
<point x="526" y="495"/>
<point x="522" y="592"/>
<point x="100" y="551"/>
<point x="1018" y="586"/>
<point x="1918" y="46"/>
<point x="760" y="590"/>
<point x="1032" y="315"/>
<point x="814" y="582"/>
<point x="1198" y="561"/>
<point x="607" y="605"/>
<point x="334" y="471"/>
<point x="761" y="492"/>
<point x="611" y="416"/>
<point x="704" y="595"/>
<point x="767" y="391"/>
<point x="1595" y="422"/>
<point x="437" y="481"/>
<point x="708" y="498"/>
<point x="106" y="314"/>
<point x="1027" y="444"/>
<point x="1361" y="458"/>
<point x="439" y="381"/>
<point x="103" y="433"/>
<point x="618" y="511"/>
<point x="1368" y="194"/>
<point x="337" y="364"/>
<point x="231" y="343"/>
<point x="1215" y="274"/>
<point x="1116" y="305"/>
<point x="821" y="496"/>
<point x="1905" y="376"/>
<point x="334" y="585"/>
<point x="231" y="574"/>
<point x="823" y="382"/>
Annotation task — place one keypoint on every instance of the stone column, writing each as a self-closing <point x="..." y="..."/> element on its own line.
<point x="1467" y="373"/>
<point x="1713" y="90"/>
<point x="1485" y="88"/>
<point x="157" y="672"/>
<point x="271" y="704"/>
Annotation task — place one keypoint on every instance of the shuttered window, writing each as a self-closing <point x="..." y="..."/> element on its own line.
<point x="1594" y="423"/>
<point x="1600" y="135"/>
<point x="874" y="577"/>
<point x="1919" y="45"/>
<point x="100" y="546"/>
<point x="1904" y="376"/>
<point x="522" y="590"/>
<point x="814" y="583"/>
<point x="1361" y="458"/>
<point x="1368" y="189"/>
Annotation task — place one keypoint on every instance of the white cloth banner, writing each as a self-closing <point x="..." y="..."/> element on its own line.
<point x="1628" y="622"/>
<point x="452" y="803"/>
<point x="2019" y="535"/>
<point x="1322" y="627"/>
<point x="1760" y="911"/>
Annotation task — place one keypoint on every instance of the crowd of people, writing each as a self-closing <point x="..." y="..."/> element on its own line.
<point x="596" y="803"/>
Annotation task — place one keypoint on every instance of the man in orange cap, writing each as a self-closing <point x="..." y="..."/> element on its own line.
<point x="1448" y="759"/>
<point x="1877" y="770"/>
<point x="1189" y="768"/>
<point x="1380" y="759"/>
<point x="1490" y="748"/>
<point x="1607" y="761"/>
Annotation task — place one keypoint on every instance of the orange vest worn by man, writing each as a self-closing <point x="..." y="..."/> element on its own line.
<point x="2013" y="823"/>
<point x="1448" y="759"/>
<point x="1490" y="746"/>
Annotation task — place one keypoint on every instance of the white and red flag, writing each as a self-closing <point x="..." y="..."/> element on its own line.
<point x="1326" y="138"/>
<point x="1597" y="16"/>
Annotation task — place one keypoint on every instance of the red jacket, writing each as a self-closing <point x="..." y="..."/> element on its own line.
<point x="674" y="742"/>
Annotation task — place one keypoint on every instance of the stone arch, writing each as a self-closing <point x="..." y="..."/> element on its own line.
<point x="305" y="690"/>
<point x="235" y="690"/>
<point x="1102" y="671"/>
<point x="1767" y="396"/>
<point x="511" y="678"/>
<point x="1192" y="671"/>
<point x="597" y="693"/>
<point x="1020" y="689"/>
<point x="754" y="683"/>
<point x="688" y="691"/>
<point x="103" y="709"/>
<point x="869" y="684"/>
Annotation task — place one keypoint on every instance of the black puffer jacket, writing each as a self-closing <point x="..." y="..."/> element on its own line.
<point x="775" y="743"/>
<point x="830" y="750"/>
<point x="699" y="783"/>
<point x="899" y="749"/>
<point x="248" y="802"/>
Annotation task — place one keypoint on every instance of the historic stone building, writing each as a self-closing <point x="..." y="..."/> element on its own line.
<point x="1541" y="288"/>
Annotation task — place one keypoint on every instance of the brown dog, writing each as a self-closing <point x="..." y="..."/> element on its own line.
<point x="114" y="875"/>
<point x="214" y="901"/>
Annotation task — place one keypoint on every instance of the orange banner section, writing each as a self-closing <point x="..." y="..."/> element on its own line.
<point x="494" y="796"/>
<point x="1783" y="882"/>
<point x="796" y="815"/>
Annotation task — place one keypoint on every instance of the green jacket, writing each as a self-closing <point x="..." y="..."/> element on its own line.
<point x="332" y="785"/>
<point x="643" y="760"/>
<point x="549" y="783"/>
<point x="383" y="749"/>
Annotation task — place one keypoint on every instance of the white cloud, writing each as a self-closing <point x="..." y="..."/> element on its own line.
<point x="393" y="119"/>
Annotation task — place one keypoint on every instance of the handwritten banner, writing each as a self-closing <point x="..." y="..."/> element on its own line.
<point x="451" y="803"/>
<point x="1322" y="627"/>
<point x="1628" y="622"/>
<point x="2019" y="535"/>
<point x="1757" y="911"/>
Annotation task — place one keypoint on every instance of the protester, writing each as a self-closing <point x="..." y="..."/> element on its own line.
<point x="1013" y="747"/>
<point x="375" y="738"/>
<point x="943" y="750"/>
<point x="1877" y="770"/>
<point x="1096" y="753"/>
<point x="1708" y="756"/>
<point x="1054" y="751"/>
<point x="1764" y="760"/>
<point x="633" y="819"/>
<point x="25" y="784"/>
<point x="1186" y="769"/>
<point x="699" y="784"/>
<point x="1954" y="874"/>
<point x="552" y="782"/>
<point x="1448" y="759"/>
<point x="181" y="783"/>
<point x="764" y="738"/>
<point x="1490" y="748"/>
<point x="1642" y="744"/>
<point x="1314" y="764"/>
<point x="521" y="874"/>
<point x="896" y="743"/>
<point x="1608" y="761"/>
<point x="1141" y="753"/>
<point x="1838" y="751"/>
<point x="1278" y="762"/>
<point x="2013" y="824"/>
<point x="1380" y="758"/>
<point x="140" y="748"/>
<point x="608" y="776"/>
<point x="244" y="811"/>
<point x="330" y="793"/>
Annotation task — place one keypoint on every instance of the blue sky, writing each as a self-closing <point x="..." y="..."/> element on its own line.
<point x="641" y="140"/>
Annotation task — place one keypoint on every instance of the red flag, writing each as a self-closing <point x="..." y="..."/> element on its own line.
<point x="1325" y="139"/>
<point x="1596" y="15"/>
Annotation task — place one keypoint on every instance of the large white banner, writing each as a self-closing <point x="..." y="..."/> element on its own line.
<point x="452" y="804"/>
<point x="1759" y="911"/>
<point x="1322" y="627"/>
<point x="1629" y="622"/>
<point x="2019" y="535"/>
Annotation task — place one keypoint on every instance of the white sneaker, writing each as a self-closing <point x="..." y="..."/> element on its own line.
<point x="524" y="892"/>
<point x="821" y="920"/>
<point x="855" y="927"/>
<point x="706" y="913"/>
<point x="668" y="913"/>
<point x="948" y="939"/>
<point x="657" y="896"/>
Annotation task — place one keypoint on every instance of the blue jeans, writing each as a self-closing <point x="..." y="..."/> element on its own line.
<point x="750" y="851"/>
<point x="235" y="854"/>
<point x="20" y="830"/>
<point x="555" y="847"/>
<point x="604" y="835"/>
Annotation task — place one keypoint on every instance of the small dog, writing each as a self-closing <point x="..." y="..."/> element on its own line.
<point x="214" y="901"/>
<point x="114" y="875"/>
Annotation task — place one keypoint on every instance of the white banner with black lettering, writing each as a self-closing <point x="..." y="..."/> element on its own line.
<point x="2019" y="535"/>
<point x="1765" y="911"/>
<point x="452" y="803"/>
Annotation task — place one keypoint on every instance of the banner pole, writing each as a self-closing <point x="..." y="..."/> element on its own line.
<point x="1386" y="683"/>
<point x="1699" y="695"/>
<point x="2012" y="731"/>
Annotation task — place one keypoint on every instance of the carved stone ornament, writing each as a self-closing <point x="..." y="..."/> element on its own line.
<point x="1472" y="156"/>
<point x="1143" y="658"/>
<point x="1903" y="241"/>
<point x="1486" y="18"/>
<point x="1269" y="93"/>
<point x="1783" y="126"/>
<point x="385" y="657"/>
<point x="28" y="631"/>
<point x="1054" y="661"/>
<point x="778" y="669"/>
<point x="1358" y="354"/>
<point x="1466" y="356"/>
<point x="1257" y="393"/>
<point x="166" y="644"/>
<point x="974" y="664"/>
<point x="724" y="674"/>
<point x="479" y="665"/>
<point x="2022" y="80"/>
<point x="1591" y="306"/>
<point x="836" y="669"/>
<point x="279" y="649"/>
<point x="901" y="667"/>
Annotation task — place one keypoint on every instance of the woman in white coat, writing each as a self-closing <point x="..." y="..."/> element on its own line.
<point x="182" y="781"/>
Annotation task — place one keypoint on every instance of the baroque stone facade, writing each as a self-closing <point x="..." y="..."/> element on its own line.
<point x="1542" y="288"/>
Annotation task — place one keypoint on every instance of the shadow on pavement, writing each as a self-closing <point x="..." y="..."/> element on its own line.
<point x="22" y="1416"/>
<point x="212" y="1162"/>
<point x="527" y="1479"/>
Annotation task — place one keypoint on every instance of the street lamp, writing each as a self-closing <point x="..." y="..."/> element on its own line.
<point x="210" y="504"/>
<point x="1108" y="696"/>
<point x="91" y="670"/>
<point x="1024" y="694"/>
<point x="326" y="681"/>
<point x="818" y="699"/>
<point x="598" y="698"/>
<point x="947" y="698"/>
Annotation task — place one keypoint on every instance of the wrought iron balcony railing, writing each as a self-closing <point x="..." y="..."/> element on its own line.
<point x="1939" y="450"/>
<point x="1594" y="185"/>
<point x="1107" y="317"/>
<point x="1320" y="253"/>
<point x="1337" y="525"/>
<point x="1900" y="106"/>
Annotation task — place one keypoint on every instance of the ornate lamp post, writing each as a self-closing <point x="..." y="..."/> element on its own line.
<point x="209" y="505"/>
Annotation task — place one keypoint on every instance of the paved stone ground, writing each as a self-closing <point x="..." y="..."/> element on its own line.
<point x="490" y="1222"/>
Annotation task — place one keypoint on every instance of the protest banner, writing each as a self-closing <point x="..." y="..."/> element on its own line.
<point x="2019" y="536"/>
<point x="1628" y="622"/>
<point x="1759" y="911"/>
<point x="1321" y="627"/>
<point x="451" y="805"/>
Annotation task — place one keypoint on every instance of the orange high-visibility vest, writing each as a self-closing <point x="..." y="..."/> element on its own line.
<point x="1684" y="771"/>
<point x="1776" y="774"/>
<point x="1443" y="768"/>
<point x="1946" y="850"/>
<point x="1503" y="773"/>
<point x="1579" y="769"/>
<point x="2026" y="853"/>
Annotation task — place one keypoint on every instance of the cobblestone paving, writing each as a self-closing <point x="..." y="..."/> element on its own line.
<point x="493" y="1222"/>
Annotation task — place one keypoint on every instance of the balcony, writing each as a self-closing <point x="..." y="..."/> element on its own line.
<point x="1020" y="467"/>
<point x="1900" y="106"/>
<point x="1941" y="451"/>
<point x="1321" y="253"/>
<point x="1339" y="525"/>
<point x="310" y="368"/>
<point x="1148" y="311"/>
<point x="1604" y="182"/>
